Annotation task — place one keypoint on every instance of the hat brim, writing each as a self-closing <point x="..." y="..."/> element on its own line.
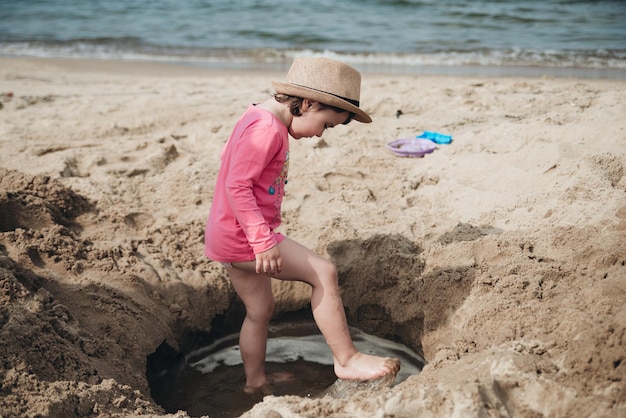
<point x="320" y="96"/>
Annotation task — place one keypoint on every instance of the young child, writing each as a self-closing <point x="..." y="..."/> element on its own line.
<point x="318" y="94"/>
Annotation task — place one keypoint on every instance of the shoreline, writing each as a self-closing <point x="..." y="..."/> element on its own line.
<point x="179" y="67"/>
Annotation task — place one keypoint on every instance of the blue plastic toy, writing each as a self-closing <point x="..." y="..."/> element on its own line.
<point x="436" y="137"/>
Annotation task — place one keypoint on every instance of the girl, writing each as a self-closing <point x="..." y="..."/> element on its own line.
<point x="318" y="94"/>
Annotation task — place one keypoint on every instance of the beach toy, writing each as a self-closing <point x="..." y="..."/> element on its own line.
<point x="436" y="137"/>
<point x="411" y="147"/>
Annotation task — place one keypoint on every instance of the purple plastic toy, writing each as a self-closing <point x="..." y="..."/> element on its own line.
<point x="411" y="147"/>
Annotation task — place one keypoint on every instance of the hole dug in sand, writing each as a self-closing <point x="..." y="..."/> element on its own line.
<point x="384" y="296"/>
<point x="209" y="380"/>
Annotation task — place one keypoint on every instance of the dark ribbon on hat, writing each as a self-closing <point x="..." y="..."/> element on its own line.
<point x="351" y="101"/>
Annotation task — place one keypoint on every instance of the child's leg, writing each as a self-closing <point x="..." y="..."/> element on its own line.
<point x="300" y="263"/>
<point x="256" y="293"/>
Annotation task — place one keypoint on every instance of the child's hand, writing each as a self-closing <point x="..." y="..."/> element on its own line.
<point x="269" y="262"/>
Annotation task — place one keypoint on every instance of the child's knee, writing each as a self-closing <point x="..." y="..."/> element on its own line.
<point x="262" y="312"/>
<point x="329" y="273"/>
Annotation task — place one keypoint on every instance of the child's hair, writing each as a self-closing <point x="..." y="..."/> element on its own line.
<point x="295" y="106"/>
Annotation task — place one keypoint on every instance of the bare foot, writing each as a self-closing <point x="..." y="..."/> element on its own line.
<point x="365" y="367"/>
<point x="264" y="390"/>
<point x="272" y="379"/>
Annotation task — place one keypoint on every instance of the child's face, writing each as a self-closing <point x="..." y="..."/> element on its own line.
<point x="315" y="120"/>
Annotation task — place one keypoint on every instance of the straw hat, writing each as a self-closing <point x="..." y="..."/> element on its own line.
<point x="326" y="81"/>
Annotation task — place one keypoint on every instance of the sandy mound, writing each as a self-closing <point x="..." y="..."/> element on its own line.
<point x="500" y="257"/>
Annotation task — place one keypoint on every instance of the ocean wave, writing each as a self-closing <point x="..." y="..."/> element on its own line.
<point x="130" y="48"/>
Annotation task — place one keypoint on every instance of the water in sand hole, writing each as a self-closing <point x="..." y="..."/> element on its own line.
<point x="209" y="380"/>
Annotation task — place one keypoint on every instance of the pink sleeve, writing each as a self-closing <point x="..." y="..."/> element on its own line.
<point x="250" y="157"/>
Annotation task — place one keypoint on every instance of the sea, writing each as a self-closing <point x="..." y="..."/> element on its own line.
<point x="499" y="37"/>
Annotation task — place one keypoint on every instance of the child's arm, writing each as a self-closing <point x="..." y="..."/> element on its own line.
<point x="250" y="158"/>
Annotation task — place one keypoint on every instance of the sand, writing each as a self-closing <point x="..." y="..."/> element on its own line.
<point x="500" y="257"/>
